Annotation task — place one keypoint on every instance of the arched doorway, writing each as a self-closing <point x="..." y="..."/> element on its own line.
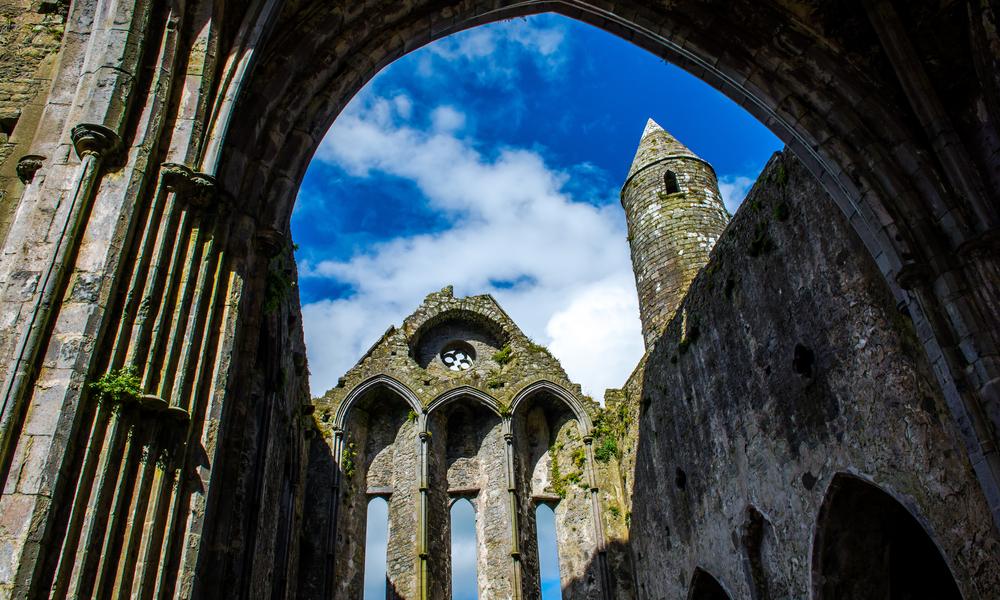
<point x="240" y="96"/>
<point x="868" y="545"/>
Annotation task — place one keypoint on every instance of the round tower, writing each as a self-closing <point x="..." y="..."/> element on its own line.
<point x="675" y="214"/>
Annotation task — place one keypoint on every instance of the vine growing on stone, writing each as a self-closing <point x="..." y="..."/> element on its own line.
<point x="347" y="460"/>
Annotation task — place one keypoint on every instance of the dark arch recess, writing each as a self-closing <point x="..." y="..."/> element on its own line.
<point x="868" y="545"/>
<point x="706" y="587"/>
<point x="670" y="185"/>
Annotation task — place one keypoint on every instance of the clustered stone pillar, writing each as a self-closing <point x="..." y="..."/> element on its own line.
<point x="512" y="508"/>
<point x="675" y="215"/>
<point x="127" y="512"/>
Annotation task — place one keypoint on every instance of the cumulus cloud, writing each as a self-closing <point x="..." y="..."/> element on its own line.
<point x="558" y="265"/>
<point x="446" y="119"/>
<point x="734" y="189"/>
<point x="503" y="48"/>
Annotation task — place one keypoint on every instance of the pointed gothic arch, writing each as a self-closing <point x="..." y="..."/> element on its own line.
<point x="869" y="545"/>
<point x="359" y="391"/>
<point x="467" y="392"/>
<point x="556" y="390"/>
<point x="706" y="587"/>
<point x="239" y="100"/>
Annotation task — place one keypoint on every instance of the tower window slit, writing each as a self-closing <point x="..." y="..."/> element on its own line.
<point x="670" y="182"/>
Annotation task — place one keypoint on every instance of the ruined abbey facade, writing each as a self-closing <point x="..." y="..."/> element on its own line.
<point x="816" y="414"/>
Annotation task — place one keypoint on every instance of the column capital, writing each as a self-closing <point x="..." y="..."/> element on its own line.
<point x="97" y="140"/>
<point x="204" y="189"/>
<point x="913" y="275"/>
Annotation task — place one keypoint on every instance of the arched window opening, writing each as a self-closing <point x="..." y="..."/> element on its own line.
<point x="670" y="182"/>
<point x="376" y="549"/>
<point x="869" y="546"/>
<point x="464" y="551"/>
<point x="548" y="553"/>
<point x="706" y="587"/>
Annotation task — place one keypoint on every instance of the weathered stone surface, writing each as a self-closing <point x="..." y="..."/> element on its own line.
<point x="787" y="365"/>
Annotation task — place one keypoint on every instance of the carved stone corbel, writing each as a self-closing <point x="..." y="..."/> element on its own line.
<point x="28" y="166"/>
<point x="176" y="177"/>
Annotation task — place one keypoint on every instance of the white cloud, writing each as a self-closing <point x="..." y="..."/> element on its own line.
<point x="734" y="189"/>
<point x="513" y="223"/>
<point x="446" y="119"/>
<point x="500" y="47"/>
<point x="598" y="333"/>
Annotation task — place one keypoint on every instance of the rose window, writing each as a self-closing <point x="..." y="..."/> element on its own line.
<point x="458" y="356"/>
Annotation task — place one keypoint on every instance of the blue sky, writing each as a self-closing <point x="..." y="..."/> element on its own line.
<point x="492" y="160"/>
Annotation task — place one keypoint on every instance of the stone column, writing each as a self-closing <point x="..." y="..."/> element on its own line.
<point x="95" y="145"/>
<point x="423" y="544"/>
<point x="338" y="452"/>
<point x="516" y="574"/>
<point x="595" y="506"/>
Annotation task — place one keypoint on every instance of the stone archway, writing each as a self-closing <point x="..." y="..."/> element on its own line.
<point x="868" y="545"/>
<point x="705" y="587"/>
<point x="166" y="115"/>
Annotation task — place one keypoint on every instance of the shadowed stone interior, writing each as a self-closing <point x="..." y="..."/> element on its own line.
<point x="844" y="325"/>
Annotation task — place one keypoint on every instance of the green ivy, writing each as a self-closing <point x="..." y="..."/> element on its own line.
<point x="411" y="416"/>
<point x="347" y="460"/>
<point x="118" y="385"/>
<point x="558" y="484"/>
<point x="606" y="450"/>
<point x="611" y="427"/>
<point x="537" y="348"/>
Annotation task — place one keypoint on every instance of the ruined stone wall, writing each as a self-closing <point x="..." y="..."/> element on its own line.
<point x="551" y="466"/>
<point x="378" y="460"/>
<point x="468" y="444"/>
<point x="489" y="435"/>
<point x="887" y="107"/>
<point x="30" y="34"/>
<point x="787" y="364"/>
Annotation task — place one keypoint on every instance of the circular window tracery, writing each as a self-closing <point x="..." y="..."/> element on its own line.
<point x="458" y="356"/>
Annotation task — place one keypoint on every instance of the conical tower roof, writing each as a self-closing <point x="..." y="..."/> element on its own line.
<point x="655" y="145"/>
